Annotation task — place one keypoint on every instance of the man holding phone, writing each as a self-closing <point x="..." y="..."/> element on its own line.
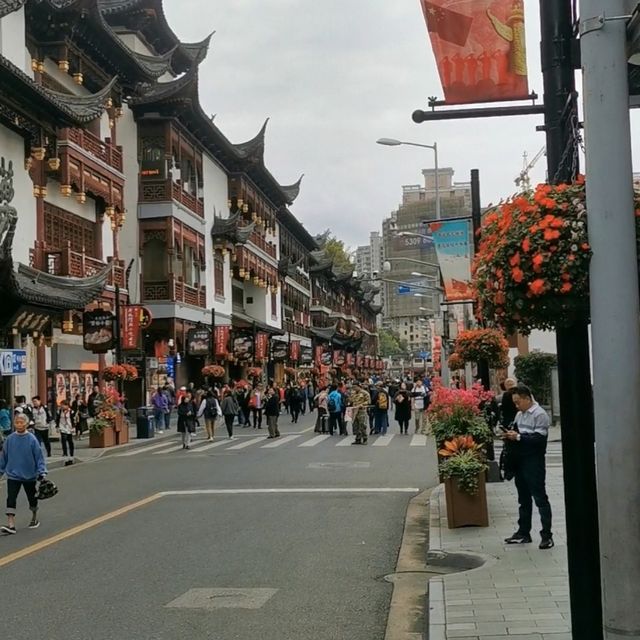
<point x="526" y="446"/>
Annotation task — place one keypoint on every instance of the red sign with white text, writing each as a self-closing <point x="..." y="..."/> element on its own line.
<point x="262" y="345"/>
<point x="221" y="336"/>
<point x="480" y="48"/>
<point x="130" y="326"/>
<point x="294" y="350"/>
<point x="318" y="355"/>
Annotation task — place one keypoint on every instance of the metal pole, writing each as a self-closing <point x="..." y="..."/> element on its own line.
<point x="435" y="153"/>
<point x="213" y="335"/>
<point x="614" y="312"/>
<point x="572" y="342"/>
<point x="118" y="327"/>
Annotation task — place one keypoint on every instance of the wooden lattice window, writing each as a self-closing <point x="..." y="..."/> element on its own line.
<point x="218" y="273"/>
<point x="274" y="306"/>
<point x="62" y="227"/>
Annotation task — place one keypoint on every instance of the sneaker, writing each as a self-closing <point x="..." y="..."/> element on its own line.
<point x="159" y="431"/>
<point x="547" y="543"/>
<point x="356" y="442"/>
<point x="518" y="538"/>
<point x="210" y="439"/>
<point x="34" y="524"/>
<point x="68" y="463"/>
<point x="8" y="529"/>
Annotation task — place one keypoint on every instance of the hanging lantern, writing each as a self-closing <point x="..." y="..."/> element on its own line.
<point x="63" y="65"/>
<point x="109" y="211"/>
<point x="34" y="65"/>
<point x="245" y="208"/>
<point x="81" y="197"/>
<point x="54" y="164"/>
<point x="43" y="192"/>
<point x="109" y="103"/>
<point x="247" y="276"/>
<point x="78" y="78"/>
<point x="241" y="272"/>
<point x="40" y="67"/>
<point x="38" y="153"/>
<point x="65" y="190"/>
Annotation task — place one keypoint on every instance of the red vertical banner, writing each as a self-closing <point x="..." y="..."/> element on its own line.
<point x="262" y="345"/>
<point x="480" y="48"/>
<point x="318" y="355"/>
<point x="359" y="361"/>
<point x="349" y="359"/>
<point x="294" y="350"/>
<point x="221" y="337"/>
<point x="130" y="326"/>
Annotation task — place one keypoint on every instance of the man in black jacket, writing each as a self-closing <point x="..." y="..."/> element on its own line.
<point x="525" y="447"/>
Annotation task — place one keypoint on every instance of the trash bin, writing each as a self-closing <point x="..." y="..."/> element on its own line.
<point x="145" y="423"/>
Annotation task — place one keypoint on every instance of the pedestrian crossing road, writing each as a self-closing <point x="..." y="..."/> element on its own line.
<point x="301" y="440"/>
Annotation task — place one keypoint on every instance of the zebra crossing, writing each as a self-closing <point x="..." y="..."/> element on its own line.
<point x="301" y="441"/>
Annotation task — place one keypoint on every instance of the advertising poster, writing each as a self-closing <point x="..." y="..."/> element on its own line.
<point x="306" y="355"/>
<point x="454" y="248"/>
<point x="243" y="348"/>
<point x="480" y="49"/>
<point x="198" y="342"/>
<point x="98" y="331"/>
<point x="279" y="350"/>
<point x="326" y="358"/>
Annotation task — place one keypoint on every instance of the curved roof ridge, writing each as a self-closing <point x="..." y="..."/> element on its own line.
<point x="87" y="107"/>
<point x="155" y="66"/>
<point x="164" y="90"/>
<point x="292" y="191"/>
<point x="10" y="6"/>
<point x="255" y="146"/>
<point x="196" y="51"/>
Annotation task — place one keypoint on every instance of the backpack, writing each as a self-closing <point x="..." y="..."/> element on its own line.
<point x="382" y="401"/>
<point x="332" y="406"/>
<point x="210" y="409"/>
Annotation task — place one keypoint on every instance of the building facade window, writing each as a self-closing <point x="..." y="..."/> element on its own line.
<point x="274" y="306"/>
<point x="154" y="261"/>
<point x="63" y="227"/>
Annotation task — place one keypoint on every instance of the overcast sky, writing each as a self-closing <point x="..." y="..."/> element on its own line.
<point x="333" y="76"/>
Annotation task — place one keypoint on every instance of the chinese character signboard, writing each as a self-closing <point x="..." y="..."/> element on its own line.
<point x="198" y="342"/>
<point x="294" y="350"/>
<point x="480" y="49"/>
<point x="262" y="346"/>
<point x="454" y="248"/>
<point x="130" y="317"/>
<point x="318" y="355"/>
<point x="222" y="334"/>
<point x="279" y="350"/>
<point x="306" y="356"/>
<point x="98" y="331"/>
<point x="13" y="362"/>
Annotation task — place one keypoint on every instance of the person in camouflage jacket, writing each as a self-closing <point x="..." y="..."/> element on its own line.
<point x="360" y="400"/>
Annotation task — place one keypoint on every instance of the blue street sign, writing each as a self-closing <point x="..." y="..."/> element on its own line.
<point x="425" y="355"/>
<point x="13" y="362"/>
<point x="403" y="290"/>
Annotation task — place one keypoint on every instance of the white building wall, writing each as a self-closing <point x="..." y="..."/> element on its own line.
<point x="70" y="203"/>
<point x="12" y="41"/>
<point x="216" y="196"/>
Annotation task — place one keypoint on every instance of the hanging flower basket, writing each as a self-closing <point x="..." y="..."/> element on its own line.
<point x="532" y="267"/>
<point x="114" y="372"/>
<point x="213" y="371"/>
<point x="456" y="362"/>
<point x="483" y="344"/>
<point x="254" y="372"/>
<point x="242" y="383"/>
<point x="290" y="371"/>
<point x="131" y="372"/>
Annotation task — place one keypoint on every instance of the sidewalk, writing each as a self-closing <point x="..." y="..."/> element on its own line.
<point x="520" y="591"/>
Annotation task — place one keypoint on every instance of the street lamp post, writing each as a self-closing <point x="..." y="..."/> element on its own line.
<point x="391" y="142"/>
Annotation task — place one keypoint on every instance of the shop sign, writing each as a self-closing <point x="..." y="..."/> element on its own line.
<point x="294" y="350"/>
<point x="338" y="357"/>
<point x="279" y="350"/>
<point x="318" y="355"/>
<point x="130" y="326"/>
<point x="326" y="358"/>
<point x="13" y="362"/>
<point x="262" y="346"/>
<point x="221" y="337"/>
<point x="243" y="348"/>
<point x="98" y="331"/>
<point x="306" y="355"/>
<point x="198" y="342"/>
<point x="146" y="318"/>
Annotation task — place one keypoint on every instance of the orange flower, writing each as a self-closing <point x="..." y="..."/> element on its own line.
<point x="526" y="245"/>
<point x="517" y="275"/>
<point x="571" y="257"/>
<point x="556" y="223"/>
<point x="551" y="234"/>
<point x="537" y="287"/>
<point x="514" y="260"/>
<point x="534" y="228"/>
<point x="566" y="287"/>
<point x="500" y="298"/>
<point x="585" y="246"/>
<point x="566" y="277"/>
<point x="538" y="260"/>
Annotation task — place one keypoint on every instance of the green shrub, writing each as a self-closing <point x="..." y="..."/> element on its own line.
<point x="534" y="370"/>
<point x="465" y="467"/>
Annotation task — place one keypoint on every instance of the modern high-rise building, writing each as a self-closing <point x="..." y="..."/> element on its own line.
<point x="409" y="300"/>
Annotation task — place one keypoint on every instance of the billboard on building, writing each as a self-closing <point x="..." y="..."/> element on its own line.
<point x="198" y="342"/>
<point x="480" y="49"/>
<point x="243" y="348"/>
<point x="98" y="331"/>
<point x="454" y="247"/>
<point x="279" y="350"/>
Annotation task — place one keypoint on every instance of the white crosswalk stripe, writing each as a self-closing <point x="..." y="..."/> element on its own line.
<point x="278" y="442"/>
<point x="384" y="441"/>
<point x="345" y="442"/>
<point x="212" y="445"/>
<point x="247" y="443"/>
<point x="171" y="449"/>
<point x="142" y="449"/>
<point x="418" y="440"/>
<point x="314" y="441"/>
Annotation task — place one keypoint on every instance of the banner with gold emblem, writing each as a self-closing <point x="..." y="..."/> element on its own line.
<point x="480" y="49"/>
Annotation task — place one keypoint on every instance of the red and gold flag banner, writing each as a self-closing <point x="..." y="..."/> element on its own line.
<point x="262" y="346"/>
<point x="294" y="350"/>
<point x="318" y="355"/>
<point x="349" y="359"/>
<point x="222" y="334"/>
<point x="359" y="361"/>
<point x="480" y="48"/>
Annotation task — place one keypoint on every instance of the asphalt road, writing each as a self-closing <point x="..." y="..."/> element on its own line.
<point x="277" y="543"/>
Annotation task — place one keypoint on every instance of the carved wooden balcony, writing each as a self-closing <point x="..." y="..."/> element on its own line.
<point x="174" y="290"/>
<point x="166" y="191"/>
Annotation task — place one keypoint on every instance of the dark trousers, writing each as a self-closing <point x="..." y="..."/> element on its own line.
<point x="257" y="418"/>
<point x="336" y="421"/>
<point x="272" y="425"/>
<point x="321" y="421"/>
<point x="68" y="447"/>
<point x="529" y="479"/>
<point x="228" y="421"/>
<point x="43" y="438"/>
<point x="404" y="425"/>
<point x="13" y="489"/>
<point x="295" y="411"/>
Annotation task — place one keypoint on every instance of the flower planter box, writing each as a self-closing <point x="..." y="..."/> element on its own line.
<point x="103" y="440"/>
<point x="464" y="510"/>
<point x="121" y="427"/>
